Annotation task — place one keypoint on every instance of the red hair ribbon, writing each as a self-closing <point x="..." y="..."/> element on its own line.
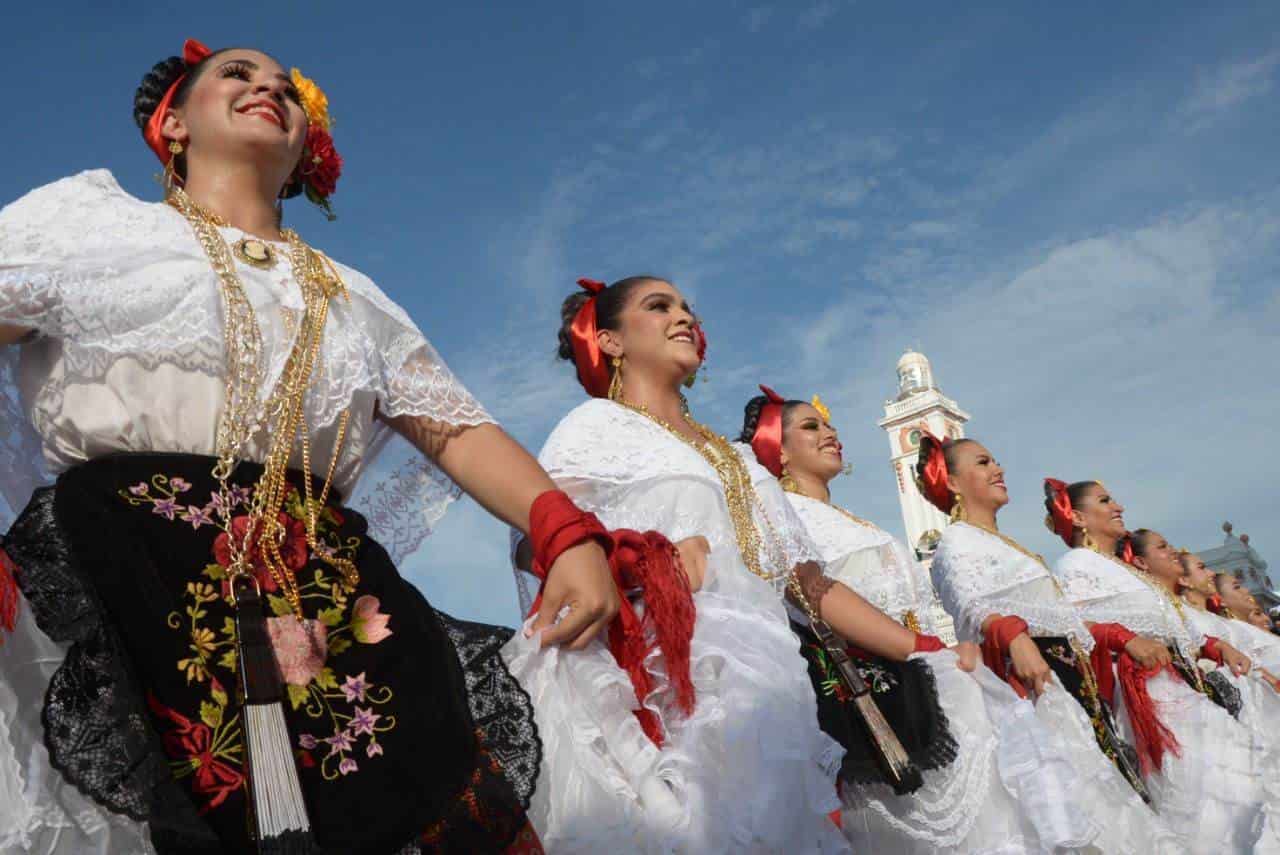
<point x="933" y="478"/>
<point x="1126" y="548"/>
<point x="1059" y="520"/>
<point x="192" y="53"/>
<point x="766" y="442"/>
<point x="593" y="368"/>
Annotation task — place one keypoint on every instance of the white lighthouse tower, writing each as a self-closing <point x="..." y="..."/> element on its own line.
<point x="919" y="406"/>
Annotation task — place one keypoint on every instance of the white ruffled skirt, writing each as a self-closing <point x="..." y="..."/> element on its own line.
<point x="1024" y="781"/>
<point x="40" y="812"/>
<point x="978" y="804"/>
<point x="1213" y="792"/>
<point x="1124" y="823"/>
<point x="748" y="772"/>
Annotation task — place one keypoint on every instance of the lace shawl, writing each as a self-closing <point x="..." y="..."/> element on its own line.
<point x="977" y="575"/>
<point x="869" y="560"/>
<point x="632" y="473"/>
<point x="123" y="301"/>
<point x="1106" y="592"/>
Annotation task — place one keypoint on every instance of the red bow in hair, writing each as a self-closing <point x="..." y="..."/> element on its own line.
<point x="1059" y="520"/>
<point x="766" y="442"/>
<point x="192" y="53"/>
<point x="1126" y="548"/>
<point x="593" y="368"/>
<point x="932" y="480"/>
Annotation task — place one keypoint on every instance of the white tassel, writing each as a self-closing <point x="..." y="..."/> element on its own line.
<point x="277" y="794"/>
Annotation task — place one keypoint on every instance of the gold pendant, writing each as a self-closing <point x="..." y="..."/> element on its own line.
<point x="255" y="253"/>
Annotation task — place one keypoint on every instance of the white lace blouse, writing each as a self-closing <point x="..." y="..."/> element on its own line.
<point x="633" y="473"/>
<point x="977" y="575"/>
<point x="1107" y="592"/>
<point x="869" y="560"/>
<point x="127" y="352"/>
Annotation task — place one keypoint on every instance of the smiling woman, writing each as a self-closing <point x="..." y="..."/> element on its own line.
<point x="240" y="665"/>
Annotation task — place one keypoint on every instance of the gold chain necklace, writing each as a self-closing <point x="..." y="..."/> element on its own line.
<point x="283" y="415"/>
<point x="740" y="493"/>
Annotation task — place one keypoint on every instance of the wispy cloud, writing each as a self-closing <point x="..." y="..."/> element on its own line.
<point x="1225" y="87"/>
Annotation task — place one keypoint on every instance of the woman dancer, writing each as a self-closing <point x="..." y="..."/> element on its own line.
<point x="1198" y="588"/>
<point x="1203" y="767"/>
<point x="964" y="805"/>
<point x="713" y="746"/>
<point x="1003" y="596"/>
<point x="206" y="387"/>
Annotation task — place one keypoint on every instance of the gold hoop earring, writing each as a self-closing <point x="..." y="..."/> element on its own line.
<point x="171" y="177"/>
<point x="788" y="483"/>
<point x="957" y="509"/>
<point x="615" y="383"/>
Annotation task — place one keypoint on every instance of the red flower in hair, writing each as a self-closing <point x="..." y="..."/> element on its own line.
<point x="321" y="165"/>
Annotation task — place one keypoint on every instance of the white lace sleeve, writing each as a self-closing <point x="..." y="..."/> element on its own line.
<point x="406" y="494"/>
<point x="976" y="577"/>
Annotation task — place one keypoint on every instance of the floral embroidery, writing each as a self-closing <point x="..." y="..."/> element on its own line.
<point x="1062" y="653"/>
<point x="878" y="678"/>
<point x="307" y="650"/>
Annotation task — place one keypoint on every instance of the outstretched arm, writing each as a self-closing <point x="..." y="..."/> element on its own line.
<point x="852" y="617"/>
<point x="497" y="472"/>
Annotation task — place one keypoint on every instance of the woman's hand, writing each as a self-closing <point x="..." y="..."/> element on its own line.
<point x="1269" y="678"/>
<point x="693" y="557"/>
<point x="581" y="580"/>
<point x="1148" y="653"/>
<point x="1028" y="665"/>
<point x="968" y="655"/>
<point x="1234" y="659"/>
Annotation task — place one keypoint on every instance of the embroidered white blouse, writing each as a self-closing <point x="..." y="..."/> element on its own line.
<point x="1106" y="591"/>
<point x="977" y="575"/>
<point x="127" y="352"/>
<point x="869" y="560"/>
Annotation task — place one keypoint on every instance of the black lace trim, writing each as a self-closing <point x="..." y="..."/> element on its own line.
<point x="95" y="728"/>
<point x="1223" y="693"/>
<point x="500" y="706"/>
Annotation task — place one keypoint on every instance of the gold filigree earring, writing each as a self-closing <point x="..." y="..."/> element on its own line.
<point x="957" y="509"/>
<point x="615" y="384"/>
<point x="787" y="482"/>
<point x="171" y="177"/>
<point x="1086" y="541"/>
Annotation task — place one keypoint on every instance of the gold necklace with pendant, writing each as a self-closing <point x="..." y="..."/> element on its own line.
<point x="253" y="251"/>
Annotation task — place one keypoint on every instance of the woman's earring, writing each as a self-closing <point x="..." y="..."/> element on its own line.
<point x="615" y="384"/>
<point x="1086" y="541"/>
<point x="171" y="177"/>
<point x="787" y="482"/>
<point x="957" y="509"/>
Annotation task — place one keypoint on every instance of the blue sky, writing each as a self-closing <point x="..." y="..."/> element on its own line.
<point x="1072" y="209"/>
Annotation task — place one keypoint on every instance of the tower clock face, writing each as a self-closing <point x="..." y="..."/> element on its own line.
<point x="913" y="438"/>
<point x="909" y="438"/>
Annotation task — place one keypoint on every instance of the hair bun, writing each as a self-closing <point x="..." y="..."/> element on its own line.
<point x="155" y="83"/>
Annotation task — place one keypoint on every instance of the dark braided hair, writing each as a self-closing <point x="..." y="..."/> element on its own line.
<point x="609" y="305"/>
<point x="751" y="416"/>
<point x="1140" y="540"/>
<point x="157" y="81"/>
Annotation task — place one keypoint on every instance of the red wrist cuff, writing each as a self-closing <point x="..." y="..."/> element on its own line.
<point x="928" y="643"/>
<point x="1112" y="636"/>
<point x="557" y="524"/>
<point x="1211" y="650"/>
<point x="1003" y="630"/>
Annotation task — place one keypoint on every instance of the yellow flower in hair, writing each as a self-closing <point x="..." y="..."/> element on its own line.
<point x="314" y="102"/>
<point x="822" y="409"/>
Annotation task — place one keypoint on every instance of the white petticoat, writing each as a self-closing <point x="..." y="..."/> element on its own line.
<point x="39" y="810"/>
<point x="1213" y="792"/>
<point x="748" y="772"/>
